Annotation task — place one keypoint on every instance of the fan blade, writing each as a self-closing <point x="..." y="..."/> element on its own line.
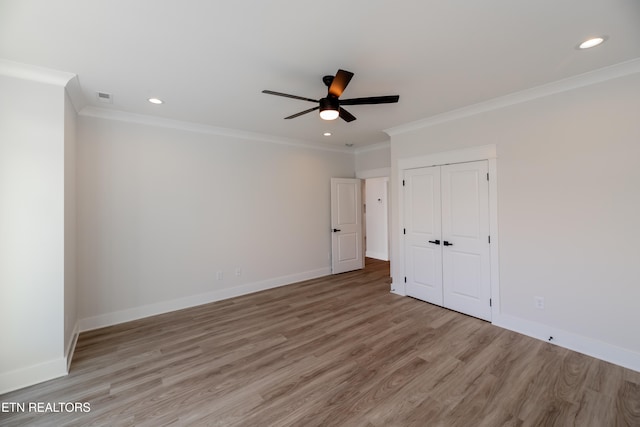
<point x="371" y="100"/>
<point x="302" y="112"/>
<point x="340" y="81"/>
<point x="286" y="95"/>
<point x="346" y="116"/>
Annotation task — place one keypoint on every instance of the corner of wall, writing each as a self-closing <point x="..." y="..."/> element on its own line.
<point x="71" y="346"/>
<point x="75" y="94"/>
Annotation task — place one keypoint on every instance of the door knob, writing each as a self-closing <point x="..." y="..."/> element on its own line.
<point x="447" y="243"/>
<point x="335" y="230"/>
<point x="437" y="242"/>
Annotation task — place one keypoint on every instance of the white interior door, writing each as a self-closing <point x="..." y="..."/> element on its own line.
<point x="446" y="246"/>
<point x="346" y="225"/>
<point x="423" y="252"/>
<point x="465" y="234"/>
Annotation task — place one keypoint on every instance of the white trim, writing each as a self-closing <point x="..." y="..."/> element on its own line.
<point x="140" y="312"/>
<point x="377" y="255"/>
<point x="71" y="347"/>
<point x="398" y="274"/>
<point x="37" y="74"/>
<point x="372" y="147"/>
<point x="570" y="83"/>
<point x="581" y="344"/>
<point x="75" y="94"/>
<point x="374" y="173"/>
<point x="34" y="374"/>
<point x="471" y="154"/>
<point x="143" y="119"/>
<point x="495" y="238"/>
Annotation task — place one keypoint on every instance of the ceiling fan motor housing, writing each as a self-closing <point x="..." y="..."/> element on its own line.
<point x="329" y="103"/>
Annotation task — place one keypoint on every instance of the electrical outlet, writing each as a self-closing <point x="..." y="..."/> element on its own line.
<point x="238" y="271"/>
<point x="539" y="302"/>
<point x="219" y="275"/>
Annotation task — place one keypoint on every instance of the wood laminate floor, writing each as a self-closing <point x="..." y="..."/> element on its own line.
<point x="334" y="351"/>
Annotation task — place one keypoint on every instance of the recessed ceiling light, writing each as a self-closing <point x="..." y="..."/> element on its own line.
<point x="327" y="134"/>
<point x="592" y="42"/>
<point x="155" y="101"/>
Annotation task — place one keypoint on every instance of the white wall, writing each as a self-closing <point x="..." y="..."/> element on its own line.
<point x="377" y="218"/>
<point x="374" y="161"/>
<point x="161" y="211"/>
<point x="70" y="289"/>
<point x="568" y="209"/>
<point x="32" y="231"/>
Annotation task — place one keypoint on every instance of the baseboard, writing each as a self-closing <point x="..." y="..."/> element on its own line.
<point x="594" y="348"/>
<point x="377" y="255"/>
<point x="71" y="346"/>
<point x="114" y="318"/>
<point x="25" y="377"/>
<point x="30" y="375"/>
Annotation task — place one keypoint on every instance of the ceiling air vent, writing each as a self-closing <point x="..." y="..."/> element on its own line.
<point x="105" y="97"/>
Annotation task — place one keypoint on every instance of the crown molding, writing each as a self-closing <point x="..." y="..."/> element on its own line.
<point x="69" y="81"/>
<point x="75" y="94"/>
<point x="570" y="83"/>
<point x="372" y="147"/>
<point x="34" y="73"/>
<point x="374" y="173"/>
<point x="142" y="119"/>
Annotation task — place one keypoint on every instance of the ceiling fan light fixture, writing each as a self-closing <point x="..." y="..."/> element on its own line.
<point x="329" y="108"/>
<point x="329" y="114"/>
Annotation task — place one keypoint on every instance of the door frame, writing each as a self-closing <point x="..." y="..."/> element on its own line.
<point x="472" y="154"/>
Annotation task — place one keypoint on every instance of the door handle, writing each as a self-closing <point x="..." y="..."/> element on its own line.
<point x="437" y="242"/>
<point x="447" y="243"/>
<point x="335" y="230"/>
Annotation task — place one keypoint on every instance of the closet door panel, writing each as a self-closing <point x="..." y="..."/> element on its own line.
<point x="423" y="260"/>
<point x="465" y="233"/>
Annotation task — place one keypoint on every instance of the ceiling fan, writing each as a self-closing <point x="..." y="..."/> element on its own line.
<point x="331" y="106"/>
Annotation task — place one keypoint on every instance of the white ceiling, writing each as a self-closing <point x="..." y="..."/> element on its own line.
<point x="210" y="60"/>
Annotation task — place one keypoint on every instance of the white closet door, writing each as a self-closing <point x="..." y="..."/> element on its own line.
<point x="423" y="260"/>
<point x="465" y="233"/>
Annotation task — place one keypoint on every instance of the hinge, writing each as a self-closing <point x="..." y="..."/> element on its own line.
<point x="489" y="239"/>
<point x="490" y="303"/>
<point x="487" y="176"/>
<point x="403" y="182"/>
<point x="405" y="279"/>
